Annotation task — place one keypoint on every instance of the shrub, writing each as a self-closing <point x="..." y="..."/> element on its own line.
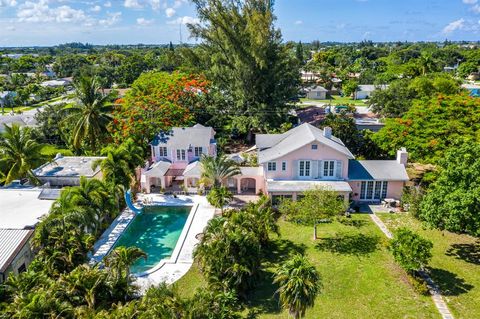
<point x="410" y="250"/>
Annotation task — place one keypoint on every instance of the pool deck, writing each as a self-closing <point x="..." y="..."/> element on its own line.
<point x="171" y="269"/>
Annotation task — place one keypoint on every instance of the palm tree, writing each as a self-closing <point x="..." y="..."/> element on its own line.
<point x="91" y="115"/>
<point x="120" y="260"/>
<point x="115" y="167"/>
<point x="427" y="63"/>
<point x="219" y="197"/>
<point x="299" y="285"/>
<point x="216" y="169"/>
<point x="20" y="152"/>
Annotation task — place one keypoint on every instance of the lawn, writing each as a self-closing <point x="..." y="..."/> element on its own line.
<point x="337" y="99"/>
<point x="455" y="265"/>
<point x="359" y="276"/>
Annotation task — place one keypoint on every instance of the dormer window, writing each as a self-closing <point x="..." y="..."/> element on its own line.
<point x="162" y="151"/>
<point x="198" y="151"/>
<point x="314" y="146"/>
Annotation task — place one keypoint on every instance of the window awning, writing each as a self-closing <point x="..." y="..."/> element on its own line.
<point x="301" y="186"/>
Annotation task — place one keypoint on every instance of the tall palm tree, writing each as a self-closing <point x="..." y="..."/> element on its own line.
<point x="219" y="197"/>
<point x="91" y="115"/>
<point x="299" y="285"/>
<point x="20" y="153"/>
<point x="216" y="169"/>
<point x="115" y="167"/>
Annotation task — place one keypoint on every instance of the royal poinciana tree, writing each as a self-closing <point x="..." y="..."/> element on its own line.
<point x="157" y="102"/>
<point x="255" y="75"/>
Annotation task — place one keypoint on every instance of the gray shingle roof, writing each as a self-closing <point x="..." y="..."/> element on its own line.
<point x="273" y="146"/>
<point x="11" y="241"/>
<point x="69" y="166"/>
<point x="183" y="137"/>
<point x="376" y="170"/>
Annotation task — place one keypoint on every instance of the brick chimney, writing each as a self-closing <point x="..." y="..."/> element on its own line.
<point x="402" y="156"/>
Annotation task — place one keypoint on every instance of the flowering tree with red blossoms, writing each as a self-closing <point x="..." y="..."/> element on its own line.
<point x="157" y="102"/>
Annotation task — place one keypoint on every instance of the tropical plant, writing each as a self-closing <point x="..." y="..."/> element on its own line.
<point x="20" y="153"/>
<point x="299" y="284"/>
<point x="90" y="115"/>
<point x="120" y="260"/>
<point x="215" y="170"/>
<point x="316" y="204"/>
<point x="410" y="250"/>
<point x="219" y="197"/>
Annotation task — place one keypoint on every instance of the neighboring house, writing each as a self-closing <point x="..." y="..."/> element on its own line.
<point x="6" y="98"/>
<point x="67" y="170"/>
<point x="21" y="210"/>
<point x="474" y="89"/>
<point x="308" y="76"/>
<point x="365" y="91"/>
<point x="176" y="162"/>
<point x="15" y="251"/>
<point x="307" y="157"/>
<point x="55" y="83"/>
<point x="20" y="119"/>
<point x="317" y="93"/>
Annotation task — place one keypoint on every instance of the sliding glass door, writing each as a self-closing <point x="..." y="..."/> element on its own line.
<point x="373" y="190"/>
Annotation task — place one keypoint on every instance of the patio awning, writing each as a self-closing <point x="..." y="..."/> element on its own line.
<point x="174" y="172"/>
<point x="158" y="169"/>
<point x="301" y="186"/>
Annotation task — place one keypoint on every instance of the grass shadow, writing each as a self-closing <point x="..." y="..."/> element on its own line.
<point x="449" y="283"/>
<point x="357" y="223"/>
<point x="279" y="250"/>
<point x="263" y="298"/>
<point x="466" y="252"/>
<point x="357" y="245"/>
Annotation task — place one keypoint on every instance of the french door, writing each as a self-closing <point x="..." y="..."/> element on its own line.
<point x="373" y="190"/>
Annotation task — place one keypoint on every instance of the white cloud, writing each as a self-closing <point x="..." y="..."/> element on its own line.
<point x="11" y="28"/>
<point x="107" y="4"/>
<point x="476" y="8"/>
<point x="179" y="3"/>
<point x="144" y="22"/>
<point x="96" y="9"/>
<point x="298" y="22"/>
<point x="454" y="25"/>
<point x="170" y="12"/>
<point x="470" y="1"/>
<point x="184" y="20"/>
<point x="8" y="3"/>
<point x="132" y="4"/>
<point x="41" y="12"/>
<point x="113" y="18"/>
<point x="155" y="4"/>
<point x="366" y="35"/>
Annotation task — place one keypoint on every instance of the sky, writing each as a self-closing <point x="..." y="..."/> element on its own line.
<point x="50" y="22"/>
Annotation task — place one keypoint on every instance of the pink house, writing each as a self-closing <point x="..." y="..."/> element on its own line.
<point x="307" y="157"/>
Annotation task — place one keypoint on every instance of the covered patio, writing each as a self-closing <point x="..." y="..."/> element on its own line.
<point x="293" y="189"/>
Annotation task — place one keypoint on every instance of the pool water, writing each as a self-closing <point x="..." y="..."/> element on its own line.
<point x="156" y="232"/>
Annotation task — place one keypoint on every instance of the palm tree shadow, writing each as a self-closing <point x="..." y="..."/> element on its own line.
<point x="466" y="252"/>
<point x="449" y="283"/>
<point x="357" y="245"/>
<point x="281" y="249"/>
<point x="264" y="298"/>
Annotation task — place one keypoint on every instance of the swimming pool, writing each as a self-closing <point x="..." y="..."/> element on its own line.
<point x="156" y="232"/>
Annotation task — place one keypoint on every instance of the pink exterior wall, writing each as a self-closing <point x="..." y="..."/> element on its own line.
<point x="306" y="153"/>
<point x="394" y="189"/>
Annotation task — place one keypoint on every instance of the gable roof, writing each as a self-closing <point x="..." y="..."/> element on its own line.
<point x="11" y="242"/>
<point x="183" y="137"/>
<point x="318" y="88"/>
<point x="376" y="170"/>
<point x="371" y="87"/>
<point x="272" y="146"/>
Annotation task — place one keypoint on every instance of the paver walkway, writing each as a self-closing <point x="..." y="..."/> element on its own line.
<point x="432" y="287"/>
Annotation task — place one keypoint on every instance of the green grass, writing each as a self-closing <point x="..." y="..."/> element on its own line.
<point x="455" y="265"/>
<point x="50" y="150"/>
<point x="359" y="276"/>
<point x="336" y="99"/>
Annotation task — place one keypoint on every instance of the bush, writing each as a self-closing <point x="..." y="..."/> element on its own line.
<point x="410" y="250"/>
<point x="418" y="284"/>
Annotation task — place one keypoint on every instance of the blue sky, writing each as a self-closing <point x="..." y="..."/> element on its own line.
<point x="49" y="22"/>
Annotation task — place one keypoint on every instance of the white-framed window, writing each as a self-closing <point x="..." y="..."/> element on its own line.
<point x="272" y="166"/>
<point x="314" y="147"/>
<point x="328" y="168"/>
<point x="162" y="151"/>
<point x="304" y="168"/>
<point x="284" y="166"/>
<point x="198" y="151"/>
<point x="181" y="155"/>
<point x="373" y="190"/>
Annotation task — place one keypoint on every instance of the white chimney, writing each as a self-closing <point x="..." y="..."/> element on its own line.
<point x="327" y="132"/>
<point x="402" y="156"/>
